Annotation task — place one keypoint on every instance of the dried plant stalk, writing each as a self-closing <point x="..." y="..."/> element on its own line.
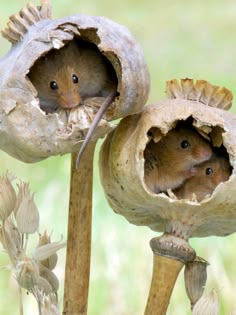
<point x="79" y="235"/>
<point x="171" y="252"/>
<point x="165" y="273"/>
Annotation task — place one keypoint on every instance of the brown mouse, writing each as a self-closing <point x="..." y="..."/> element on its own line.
<point x="207" y="176"/>
<point x="169" y="162"/>
<point x="65" y="77"/>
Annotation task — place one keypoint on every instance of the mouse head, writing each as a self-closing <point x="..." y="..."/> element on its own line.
<point x="212" y="172"/>
<point x="56" y="81"/>
<point x="63" y="87"/>
<point x="186" y="147"/>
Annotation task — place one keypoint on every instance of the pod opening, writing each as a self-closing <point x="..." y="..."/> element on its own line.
<point x="187" y="162"/>
<point x="65" y="78"/>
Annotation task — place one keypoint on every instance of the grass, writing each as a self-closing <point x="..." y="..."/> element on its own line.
<point x="179" y="39"/>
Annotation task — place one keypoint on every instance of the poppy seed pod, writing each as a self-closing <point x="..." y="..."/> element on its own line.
<point x="30" y="134"/>
<point x="124" y="162"/>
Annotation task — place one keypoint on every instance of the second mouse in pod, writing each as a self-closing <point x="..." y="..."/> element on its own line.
<point x="169" y="162"/>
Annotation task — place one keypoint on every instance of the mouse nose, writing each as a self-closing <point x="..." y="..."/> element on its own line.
<point x="70" y="100"/>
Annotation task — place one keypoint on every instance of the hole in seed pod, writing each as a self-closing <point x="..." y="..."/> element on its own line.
<point x="65" y="78"/>
<point x="180" y="160"/>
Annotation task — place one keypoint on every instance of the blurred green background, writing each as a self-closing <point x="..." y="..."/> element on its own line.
<point x="180" y="39"/>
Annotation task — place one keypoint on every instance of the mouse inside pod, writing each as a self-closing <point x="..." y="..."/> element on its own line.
<point x="76" y="75"/>
<point x="187" y="162"/>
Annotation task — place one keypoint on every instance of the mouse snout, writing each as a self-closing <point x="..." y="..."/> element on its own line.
<point x="70" y="100"/>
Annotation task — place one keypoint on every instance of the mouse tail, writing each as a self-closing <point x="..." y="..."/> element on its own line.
<point x="107" y="102"/>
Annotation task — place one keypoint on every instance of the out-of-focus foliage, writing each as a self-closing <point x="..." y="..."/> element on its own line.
<point x="180" y="39"/>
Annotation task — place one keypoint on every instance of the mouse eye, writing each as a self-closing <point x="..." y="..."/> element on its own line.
<point x="209" y="171"/>
<point x="185" y="144"/>
<point x="75" y="78"/>
<point x="53" y="85"/>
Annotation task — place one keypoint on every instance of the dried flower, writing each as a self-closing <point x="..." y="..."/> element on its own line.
<point x="26" y="212"/>
<point x="7" y="196"/>
<point x="51" y="261"/>
<point x="44" y="286"/>
<point x="49" y="306"/>
<point x="207" y="305"/>
<point x="27" y="273"/>
<point x="49" y="276"/>
<point x="44" y="252"/>
<point x="195" y="276"/>
<point x="10" y="238"/>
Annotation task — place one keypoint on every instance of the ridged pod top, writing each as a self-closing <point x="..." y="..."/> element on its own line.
<point x="122" y="170"/>
<point x="27" y="132"/>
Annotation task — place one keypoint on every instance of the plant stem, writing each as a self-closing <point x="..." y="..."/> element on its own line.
<point x="165" y="273"/>
<point x="39" y="307"/>
<point x="26" y="242"/>
<point x="79" y="234"/>
<point x="171" y="252"/>
<point x="20" y="300"/>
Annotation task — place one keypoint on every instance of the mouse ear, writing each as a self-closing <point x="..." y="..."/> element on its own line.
<point x="30" y="134"/>
<point x="200" y="91"/>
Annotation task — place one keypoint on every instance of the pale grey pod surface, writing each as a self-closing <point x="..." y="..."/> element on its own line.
<point x="122" y="171"/>
<point x="30" y="135"/>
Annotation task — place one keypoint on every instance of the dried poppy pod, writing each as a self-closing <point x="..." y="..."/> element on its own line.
<point x="122" y="162"/>
<point x="136" y="186"/>
<point x="27" y="132"/>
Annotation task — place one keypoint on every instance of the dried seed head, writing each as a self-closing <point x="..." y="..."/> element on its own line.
<point x="7" y="196"/>
<point x="49" y="306"/>
<point x="207" y="305"/>
<point x="44" y="252"/>
<point x="195" y="276"/>
<point x="10" y="238"/>
<point x="44" y="239"/>
<point x="27" y="273"/>
<point x="44" y="286"/>
<point x="26" y="212"/>
<point x="49" y="276"/>
<point x="51" y="261"/>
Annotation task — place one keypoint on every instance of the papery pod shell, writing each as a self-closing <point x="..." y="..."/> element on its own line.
<point x="200" y="91"/>
<point x="51" y="261"/>
<point x="49" y="276"/>
<point x="26" y="132"/>
<point x="11" y="240"/>
<point x="207" y="305"/>
<point x="26" y="211"/>
<point x="122" y="171"/>
<point x="27" y="273"/>
<point x="45" y="251"/>
<point x="49" y="306"/>
<point x="195" y="276"/>
<point x="44" y="286"/>
<point x="7" y="197"/>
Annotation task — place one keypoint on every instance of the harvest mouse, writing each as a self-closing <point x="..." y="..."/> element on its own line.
<point x="207" y="176"/>
<point x="169" y="162"/>
<point x="65" y="77"/>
